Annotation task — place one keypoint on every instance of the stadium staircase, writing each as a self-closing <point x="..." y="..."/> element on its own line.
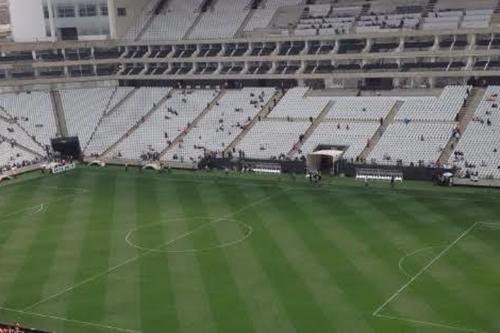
<point x="251" y="12"/>
<point x="20" y="146"/>
<point x="157" y="10"/>
<point x="120" y="103"/>
<point x="193" y="124"/>
<point x="464" y="118"/>
<point x="203" y="8"/>
<point x="12" y="120"/>
<point x="2" y="117"/>
<point x="315" y="123"/>
<point x="105" y="112"/>
<point x="266" y="109"/>
<point x="145" y="118"/>
<point x="57" y="107"/>
<point x="380" y="131"/>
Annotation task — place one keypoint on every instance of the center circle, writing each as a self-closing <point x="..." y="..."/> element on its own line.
<point x="170" y="236"/>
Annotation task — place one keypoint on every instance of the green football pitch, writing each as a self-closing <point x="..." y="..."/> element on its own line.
<point x="104" y="250"/>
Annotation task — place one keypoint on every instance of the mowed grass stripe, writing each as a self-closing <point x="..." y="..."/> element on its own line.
<point x="303" y="288"/>
<point x="426" y="224"/>
<point x="67" y="249"/>
<point x="17" y="232"/>
<point x="359" y="235"/>
<point x="154" y="277"/>
<point x="122" y="287"/>
<point x="228" y="309"/>
<point x="264" y="306"/>
<point x="40" y="238"/>
<point x="191" y="300"/>
<point x="448" y="216"/>
<point x="337" y="261"/>
<point x="461" y="265"/>
<point x="87" y="302"/>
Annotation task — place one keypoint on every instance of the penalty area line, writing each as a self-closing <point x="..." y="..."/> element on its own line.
<point x="428" y="323"/>
<point x="73" y="321"/>
<point x="377" y="312"/>
<point x="425" y="268"/>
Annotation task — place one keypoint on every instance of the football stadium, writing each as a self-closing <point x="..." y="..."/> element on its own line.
<point x="249" y="166"/>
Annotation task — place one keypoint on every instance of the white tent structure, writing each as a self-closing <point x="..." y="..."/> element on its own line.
<point x="314" y="159"/>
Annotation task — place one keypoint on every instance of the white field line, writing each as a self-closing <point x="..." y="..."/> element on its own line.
<point x="79" y="322"/>
<point x="139" y="256"/>
<point x="39" y="208"/>
<point x="425" y="268"/>
<point x="403" y="258"/>
<point x="422" y="322"/>
<point x="428" y="323"/>
<point x="220" y="246"/>
<point x="297" y="186"/>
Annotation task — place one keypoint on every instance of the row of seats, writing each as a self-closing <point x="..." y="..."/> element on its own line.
<point x="33" y="113"/>
<point x="165" y="125"/>
<point x="84" y="108"/>
<point x="354" y="136"/>
<point x="118" y="121"/>
<point x="478" y="151"/>
<point x="272" y="139"/>
<point x="11" y="156"/>
<point x="413" y="143"/>
<point x="442" y="108"/>
<point x="222" y="124"/>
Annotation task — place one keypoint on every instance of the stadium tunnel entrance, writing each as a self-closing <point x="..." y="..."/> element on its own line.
<point x="323" y="160"/>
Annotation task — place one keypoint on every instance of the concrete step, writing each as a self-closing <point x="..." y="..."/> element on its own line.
<point x="266" y="109"/>
<point x="58" y="109"/>
<point x="315" y="123"/>
<point x="193" y="124"/>
<point x="145" y="118"/>
<point x="380" y="131"/>
<point x="464" y="117"/>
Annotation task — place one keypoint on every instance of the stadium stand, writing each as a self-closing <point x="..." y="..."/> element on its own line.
<point x="219" y="127"/>
<point x="412" y="143"/>
<point x="85" y="108"/>
<point x="123" y="117"/>
<point x="33" y="113"/>
<point x="174" y="21"/>
<point x="478" y="149"/>
<point x="272" y="139"/>
<point x="221" y="21"/>
<point x="167" y="123"/>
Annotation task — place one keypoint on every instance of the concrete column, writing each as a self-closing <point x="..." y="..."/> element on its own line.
<point x="52" y="22"/>
<point x="112" y="19"/>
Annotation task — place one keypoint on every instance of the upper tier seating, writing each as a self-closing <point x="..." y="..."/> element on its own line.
<point x="174" y="21"/>
<point x="222" y="124"/>
<point x="33" y="112"/>
<point x="131" y="112"/>
<point x="479" y="148"/>
<point x="83" y="108"/>
<point x="141" y="20"/>
<point x="165" y="124"/>
<point x="223" y="21"/>
<point x="262" y="16"/>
